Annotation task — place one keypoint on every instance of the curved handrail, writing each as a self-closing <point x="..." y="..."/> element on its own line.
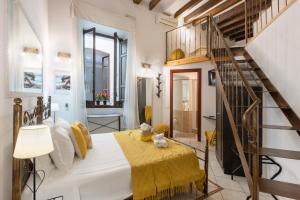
<point x="249" y="118"/>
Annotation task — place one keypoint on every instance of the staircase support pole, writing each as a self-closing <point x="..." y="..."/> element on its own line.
<point x="255" y="153"/>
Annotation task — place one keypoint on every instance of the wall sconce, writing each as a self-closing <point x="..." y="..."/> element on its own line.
<point x="31" y="50"/>
<point x="146" y="65"/>
<point x="64" y="55"/>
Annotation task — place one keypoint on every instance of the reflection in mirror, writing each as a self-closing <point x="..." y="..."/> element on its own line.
<point x="145" y="90"/>
<point x="25" y="54"/>
<point x="185" y="105"/>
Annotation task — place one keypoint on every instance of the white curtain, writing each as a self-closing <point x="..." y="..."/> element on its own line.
<point x="130" y="112"/>
<point x="78" y="82"/>
<point x="87" y="11"/>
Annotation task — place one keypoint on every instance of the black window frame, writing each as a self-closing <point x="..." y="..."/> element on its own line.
<point x="120" y="102"/>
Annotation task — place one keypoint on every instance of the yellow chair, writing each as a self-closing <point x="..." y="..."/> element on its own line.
<point x="162" y="128"/>
<point x="211" y="136"/>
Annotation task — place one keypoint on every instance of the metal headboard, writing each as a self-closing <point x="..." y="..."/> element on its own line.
<point x="21" y="118"/>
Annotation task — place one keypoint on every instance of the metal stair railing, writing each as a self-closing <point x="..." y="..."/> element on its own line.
<point x="237" y="92"/>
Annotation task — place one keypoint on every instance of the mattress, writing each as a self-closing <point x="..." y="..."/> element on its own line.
<point x="104" y="174"/>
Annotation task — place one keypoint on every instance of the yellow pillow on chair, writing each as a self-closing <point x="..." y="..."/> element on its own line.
<point x="86" y="134"/>
<point x="78" y="140"/>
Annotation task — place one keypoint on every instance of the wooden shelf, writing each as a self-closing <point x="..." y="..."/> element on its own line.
<point x="186" y="61"/>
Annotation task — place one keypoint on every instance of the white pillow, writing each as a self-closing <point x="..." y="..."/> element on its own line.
<point x="49" y="122"/>
<point x="44" y="163"/>
<point x="60" y="122"/>
<point x="63" y="154"/>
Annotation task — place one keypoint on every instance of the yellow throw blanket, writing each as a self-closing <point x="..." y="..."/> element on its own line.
<point x="159" y="172"/>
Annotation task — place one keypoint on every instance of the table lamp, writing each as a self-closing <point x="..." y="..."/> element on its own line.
<point x="33" y="141"/>
<point x="54" y="108"/>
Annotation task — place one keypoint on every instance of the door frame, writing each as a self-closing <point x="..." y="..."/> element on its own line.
<point x="198" y="119"/>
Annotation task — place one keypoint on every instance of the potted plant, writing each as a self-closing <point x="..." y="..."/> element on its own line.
<point x="98" y="98"/>
<point x="105" y="96"/>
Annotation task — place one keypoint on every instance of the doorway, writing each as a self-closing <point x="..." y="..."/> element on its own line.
<point x="185" y="103"/>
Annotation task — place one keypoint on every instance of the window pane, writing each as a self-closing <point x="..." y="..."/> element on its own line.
<point x="123" y="68"/>
<point x="104" y="79"/>
<point x="98" y="72"/>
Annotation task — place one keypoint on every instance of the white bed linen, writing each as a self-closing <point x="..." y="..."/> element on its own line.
<point x="105" y="174"/>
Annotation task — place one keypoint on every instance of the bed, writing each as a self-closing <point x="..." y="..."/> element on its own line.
<point x="93" y="178"/>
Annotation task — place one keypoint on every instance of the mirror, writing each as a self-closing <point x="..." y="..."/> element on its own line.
<point x="145" y="94"/>
<point x="185" y="105"/>
<point x="25" y="54"/>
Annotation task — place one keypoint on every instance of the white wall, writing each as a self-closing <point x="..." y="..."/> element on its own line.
<point x="39" y="21"/>
<point x="276" y="50"/>
<point x="208" y="94"/>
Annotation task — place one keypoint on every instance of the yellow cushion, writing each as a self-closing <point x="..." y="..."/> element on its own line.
<point x="86" y="134"/>
<point x="177" y="54"/>
<point x="78" y="141"/>
<point x="162" y="128"/>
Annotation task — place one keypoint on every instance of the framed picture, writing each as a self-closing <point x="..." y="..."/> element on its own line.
<point x="32" y="80"/>
<point x="62" y="82"/>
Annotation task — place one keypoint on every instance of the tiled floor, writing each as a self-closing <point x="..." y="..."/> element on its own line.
<point x="236" y="189"/>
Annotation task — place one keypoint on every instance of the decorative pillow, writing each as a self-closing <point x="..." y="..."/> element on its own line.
<point x="177" y="54"/>
<point x="44" y="163"/>
<point x="49" y="122"/>
<point x="60" y="122"/>
<point x="78" y="141"/>
<point x="86" y="134"/>
<point x="63" y="154"/>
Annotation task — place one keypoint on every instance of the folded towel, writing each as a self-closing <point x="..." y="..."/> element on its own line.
<point x="145" y="127"/>
<point x="161" y="143"/>
<point x="159" y="136"/>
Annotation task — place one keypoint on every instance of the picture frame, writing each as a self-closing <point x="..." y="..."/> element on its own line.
<point x="62" y="82"/>
<point x="32" y="80"/>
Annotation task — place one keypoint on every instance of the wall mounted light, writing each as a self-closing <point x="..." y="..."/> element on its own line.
<point x="146" y="65"/>
<point x="31" y="50"/>
<point x="64" y="55"/>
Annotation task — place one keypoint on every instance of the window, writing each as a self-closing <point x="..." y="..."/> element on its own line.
<point x="105" y="63"/>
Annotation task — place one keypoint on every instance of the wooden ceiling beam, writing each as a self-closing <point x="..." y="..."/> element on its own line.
<point x="216" y="10"/>
<point x="232" y="28"/>
<point x="235" y="32"/>
<point x="202" y="9"/>
<point x="137" y="1"/>
<point x="188" y="6"/>
<point x="232" y="13"/>
<point x="153" y="3"/>
<point x="233" y="21"/>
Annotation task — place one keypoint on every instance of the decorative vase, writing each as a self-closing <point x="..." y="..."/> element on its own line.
<point x="98" y="103"/>
<point x="104" y="102"/>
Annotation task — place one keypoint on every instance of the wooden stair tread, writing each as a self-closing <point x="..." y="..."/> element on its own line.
<point x="281" y="127"/>
<point x="280" y="153"/>
<point x="289" y="190"/>
<point x="237" y="50"/>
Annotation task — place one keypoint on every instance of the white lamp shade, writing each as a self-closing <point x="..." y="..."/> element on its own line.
<point x="54" y="107"/>
<point x="33" y="141"/>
